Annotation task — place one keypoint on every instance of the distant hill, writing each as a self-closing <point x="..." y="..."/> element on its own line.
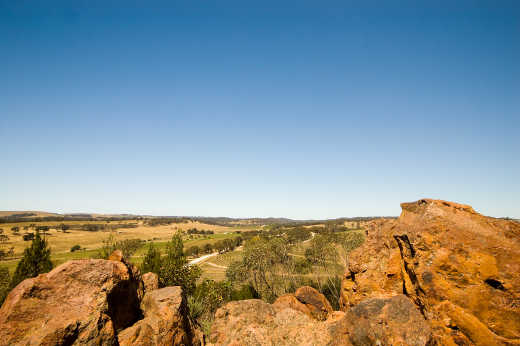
<point x="39" y="216"/>
<point x="26" y="213"/>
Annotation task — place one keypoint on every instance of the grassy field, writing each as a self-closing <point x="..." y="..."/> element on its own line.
<point x="60" y="243"/>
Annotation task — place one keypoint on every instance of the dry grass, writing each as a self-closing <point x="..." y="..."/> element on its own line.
<point x="60" y="243"/>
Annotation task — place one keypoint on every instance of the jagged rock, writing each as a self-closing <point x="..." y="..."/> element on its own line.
<point x="94" y="302"/>
<point x="165" y="321"/>
<point x="150" y="281"/>
<point x="79" y="302"/>
<point x="460" y="268"/>
<point x="307" y="300"/>
<point x="116" y="255"/>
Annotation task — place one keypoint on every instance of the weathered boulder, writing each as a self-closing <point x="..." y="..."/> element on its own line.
<point x="307" y="300"/>
<point x="150" y="281"/>
<point x="385" y="321"/>
<point x="391" y="321"/>
<point x="460" y="268"/>
<point x="290" y="301"/>
<point x="95" y="302"/>
<point x="255" y="322"/>
<point x="79" y="302"/>
<point x="116" y="255"/>
<point x="165" y="321"/>
<point x="316" y="302"/>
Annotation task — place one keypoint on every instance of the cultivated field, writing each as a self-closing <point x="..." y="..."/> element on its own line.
<point x="90" y="241"/>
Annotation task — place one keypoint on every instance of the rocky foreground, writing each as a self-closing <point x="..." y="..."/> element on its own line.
<point x="441" y="274"/>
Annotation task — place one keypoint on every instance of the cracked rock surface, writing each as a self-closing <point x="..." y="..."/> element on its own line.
<point x="460" y="268"/>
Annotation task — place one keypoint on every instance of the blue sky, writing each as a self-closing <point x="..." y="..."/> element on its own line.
<point x="296" y="109"/>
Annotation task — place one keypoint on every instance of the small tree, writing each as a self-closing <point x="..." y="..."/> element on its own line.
<point x="175" y="270"/>
<point x="208" y="248"/>
<point x="36" y="260"/>
<point x="193" y="251"/>
<point x="151" y="261"/>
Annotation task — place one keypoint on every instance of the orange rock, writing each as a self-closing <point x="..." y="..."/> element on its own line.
<point x="460" y="268"/>
<point x="94" y="302"/>
<point x="117" y="256"/>
<point x="150" y="281"/>
<point x="165" y="321"/>
<point x="290" y="301"/>
<point x="316" y="302"/>
<point x="307" y="300"/>
<point x="82" y="302"/>
<point x="391" y="321"/>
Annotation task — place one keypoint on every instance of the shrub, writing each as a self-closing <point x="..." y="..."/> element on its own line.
<point x="151" y="261"/>
<point x="193" y="251"/>
<point x="175" y="270"/>
<point x="75" y="248"/>
<point x="28" y="236"/>
<point x="127" y="246"/>
<point x="302" y="266"/>
<point x="245" y="292"/>
<point x="208" y="248"/>
<point x="212" y="294"/>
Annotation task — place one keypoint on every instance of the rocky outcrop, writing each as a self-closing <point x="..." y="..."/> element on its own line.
<point x="89" y="302"/>
<point x="460" y="268"/>
<point x="165" y="321"/>
<point x="150" y="281"/>
<point x="307" y="300"/>
<point x="392" y="321"/>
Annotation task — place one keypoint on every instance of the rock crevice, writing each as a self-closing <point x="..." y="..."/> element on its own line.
<point x="95" y="302"/>
<point x="458" y="267"/>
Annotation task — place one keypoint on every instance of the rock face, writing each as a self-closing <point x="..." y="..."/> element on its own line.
<point x="150" y="281"/>
<point x="165" y="320"/>
<point x="83" y="302"/>
<point x="460" y="268"/>
<point x="392" y="321"/>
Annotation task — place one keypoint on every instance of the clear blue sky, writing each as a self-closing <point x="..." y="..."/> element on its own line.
<point x="286" y="108"/>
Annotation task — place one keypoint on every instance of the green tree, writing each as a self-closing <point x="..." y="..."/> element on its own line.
<point x="208" y="248"/>
<point x="152" y="260"/>
<point x="193" y="251"/>
<point x="36" y="260"/>
<point x="322" y="250"/>
<point x="175" y="270"/>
